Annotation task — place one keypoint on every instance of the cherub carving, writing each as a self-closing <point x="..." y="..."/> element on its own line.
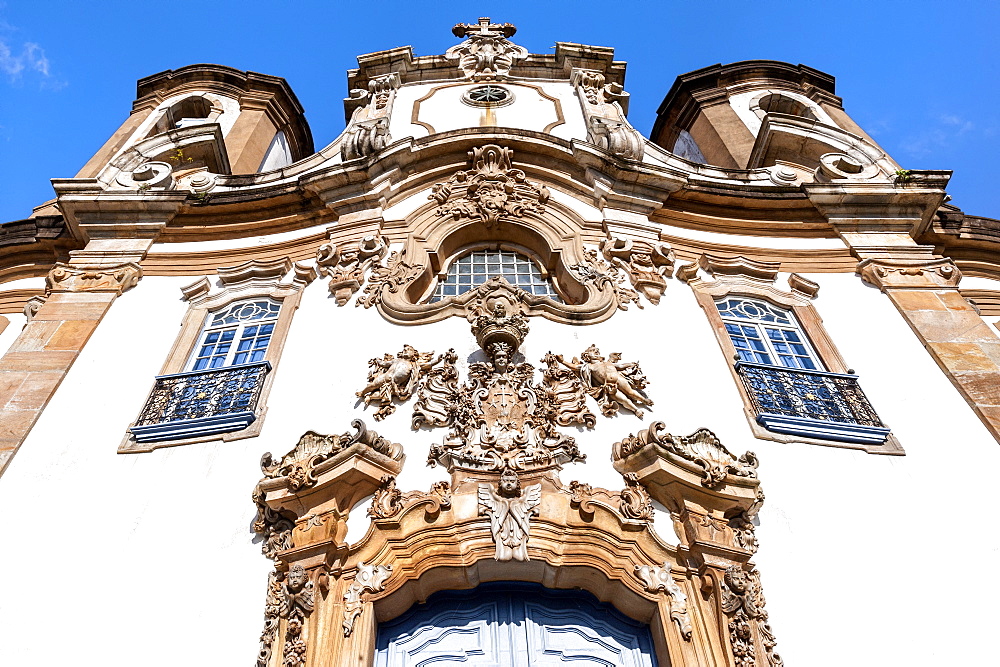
<point x="395" y="377"/>
<point x="611" y="381"/>
<point x="510" y="511"/>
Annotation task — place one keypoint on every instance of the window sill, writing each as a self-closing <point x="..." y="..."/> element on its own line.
<point x="193" y="428"/>
<point x="824" y="430"/>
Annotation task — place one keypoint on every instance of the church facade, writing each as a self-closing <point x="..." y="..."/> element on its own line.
<point x="494" y="379"/>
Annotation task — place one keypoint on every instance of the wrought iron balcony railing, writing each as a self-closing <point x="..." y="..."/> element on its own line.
<point x="188" y="405"/>
<point x="816" y="404"/>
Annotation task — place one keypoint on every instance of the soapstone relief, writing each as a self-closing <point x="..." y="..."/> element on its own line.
<point x="743" y="601"/>
<point x="70" y="278"/>
<point x="655" y="579"/>
<point x="395" y="378"/>
<point x="296" y="603"/>
<point x="510" y="509"/>
<point x="647" y="264"/>
<point x="391" y="278"/>
<point x="369" y="579"/>
<point x="386" y="503"/>
<point x="486" y="53"/>
<point x="594" y="270"/>
<point x="368" y="131"/>
<point x="635" y="502"/>
<point x="346" y="265"/>
<point x="612" y="382"/>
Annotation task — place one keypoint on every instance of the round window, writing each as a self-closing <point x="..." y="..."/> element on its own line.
<point x="488" y="96"/>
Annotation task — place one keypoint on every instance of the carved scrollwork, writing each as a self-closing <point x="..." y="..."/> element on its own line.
<point x="387" y="501"/>
<point x="656" y="578"/>
<point x="67" y="278"/>
<point x="743" y="527"/>
<point x="369" y="579"/>
<point x="346" y="265"/>
<point x="274" y="528"/>
<point x="605" y="276"/>
<point x="702" y="448"/>
<point x="438" y="394"/>
<point x="272" y="605"/>
<point x="510" y="510"/>
<point x="612" y="382"/>
<point x="743" y="601"/>
<point x="296" y="603"/>
<point x="391" y="278"/>
<point x="604" y="107"/>
<point x="486" y="53"/>
<point x="647" y="264"/>
<point x="491" y="190"/>
<point x="635" y="502"/>
<point x="563" y="396"/>
<point x="368" y="131"/>
<point x="312" y="449"/>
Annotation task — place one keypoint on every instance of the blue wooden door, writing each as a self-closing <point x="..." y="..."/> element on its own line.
<point x="513" y="625"/>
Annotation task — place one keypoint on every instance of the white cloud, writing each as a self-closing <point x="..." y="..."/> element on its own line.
<point x="31" y="57"/>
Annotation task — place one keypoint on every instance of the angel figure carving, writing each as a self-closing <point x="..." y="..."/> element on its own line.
<point x="510" y="511"/>
<point x="395" y="378"/>
<point x="611" y="381"/>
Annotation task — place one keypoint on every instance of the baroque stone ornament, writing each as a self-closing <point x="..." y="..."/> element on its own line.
<point x="368" y="131"/>
<point x="605" y="276"/>
<point x="297" y="601"/>
<point x="635" y="502"/>
<point x="491" y="190"/>
<point x="299" y="465"/>
<point x="510" y="509"/>
<point x="68" y="278"/>
<point x="486" y="54"/>
<point x="604" y="106"/>
<point x="395" y="378"/>
<point x="612" y="382"/>
<point x="563" y="394"/>
<point x="346" y="265"/>
<point x="647" y="264"/>
<point x="386" y="503"/>
<point x="743" y="601"/>
<point x="369" y="579"/>
<point x="391" y="278"/>
<point x="655" y="578"/>
<point x="272" y="606"/>
<point x="702" y="448"/>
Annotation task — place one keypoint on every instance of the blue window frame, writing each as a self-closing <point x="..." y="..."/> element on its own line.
<point x="763" y="333"/>
<point x="237" y="335"/>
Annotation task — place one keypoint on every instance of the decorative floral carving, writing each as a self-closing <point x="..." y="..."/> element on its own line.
<point x="347" y="265"/>
<point x="275" y="530"/>
<point x="312" y="449"/>
<point x="272" y="606"/>
<point x="510" y="509"/>
<point x="635" y="502"/>
<point x="369" y="579"/>
<point x="701" y="447"/>
<point x="438" y="394"/>
<point x="604" y="276"/>
<point x="490" y="190"/>
<point x="656" y="578"/>
<point x="563" y="397"/>
<point x="118" y="278"/>
<point x="386" y="503"/>
<point x="647" y="264"/>
<point x="391" y="278"/>
<point x="743" y="601"/>
<point x="743" y="526"/>
<point x="486" y="53"/>
<point x="612" y="382"/>
<point x="395" y="378"/>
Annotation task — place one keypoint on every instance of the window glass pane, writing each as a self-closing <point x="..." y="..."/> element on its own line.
<point x="248" y="324"/>
<point x="765" y="332"/>
<point x="476" y="267"/>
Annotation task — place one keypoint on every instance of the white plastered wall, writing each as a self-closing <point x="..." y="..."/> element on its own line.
<point x="136" y="551"/>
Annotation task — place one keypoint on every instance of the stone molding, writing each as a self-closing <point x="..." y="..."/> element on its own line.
<point x="909" y="274"/>
<point x="118" y="278"/>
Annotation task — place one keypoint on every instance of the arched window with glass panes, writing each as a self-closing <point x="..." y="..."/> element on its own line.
<point x="763" y="333"/>
<point x="236" y="335"/>
<point x="476" y="267"/>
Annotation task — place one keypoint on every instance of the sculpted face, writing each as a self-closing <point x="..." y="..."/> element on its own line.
<point x="509" y="485"/>
<point x="296" y="578"/>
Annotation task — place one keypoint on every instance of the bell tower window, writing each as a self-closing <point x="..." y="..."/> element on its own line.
<point x="478" y="266"/>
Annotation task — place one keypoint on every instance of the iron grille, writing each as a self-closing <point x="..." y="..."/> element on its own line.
<point x="791" y="392"/>
<point x="204" y="394"/>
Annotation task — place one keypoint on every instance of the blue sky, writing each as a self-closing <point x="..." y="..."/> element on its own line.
<point x="921" y="77"/>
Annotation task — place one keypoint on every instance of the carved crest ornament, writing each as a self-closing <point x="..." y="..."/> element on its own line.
<point x="486" y="54"/>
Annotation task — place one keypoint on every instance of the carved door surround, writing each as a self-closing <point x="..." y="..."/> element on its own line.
<point x="505" y="515"/>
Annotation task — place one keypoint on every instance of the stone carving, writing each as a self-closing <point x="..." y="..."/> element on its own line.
<point x="386" y="503"/>
<point x="368" y="131"/>
<point x="369" y="579"/>
<point x="395" y="378"/>
<point x="510" y="509"/>
<point x="563" y="396"/>
<point x="701" y="448"/>
<point x="346" y="265"/>
<point x="496" y="419"/>
<point x="296" y="603"/>
<point x="743" y="527"/>
<point x="275" y="530"/>
<point x="635" y="502"/>
<point x="492" y="189"/>
<point x="392" y="277"/>
<point x="927" y="274"/>
<point x="118" y="278"/>
<point x="743" y="601"/>
<point x="580" y="494"/>
<point x="440" y="494"/>
<point x="602" y="275"/>
<point x="486" y="54"/>
<point x="272" y="605"/>
<point x="312" y="449"/>
<point x="31" y="307"/>
<point x="612" y="382"/>
<point x="604" y="107"/>
<point x="655" y="579"/>
<point x="438" y="394"/>
<point x="647" y="264"/>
